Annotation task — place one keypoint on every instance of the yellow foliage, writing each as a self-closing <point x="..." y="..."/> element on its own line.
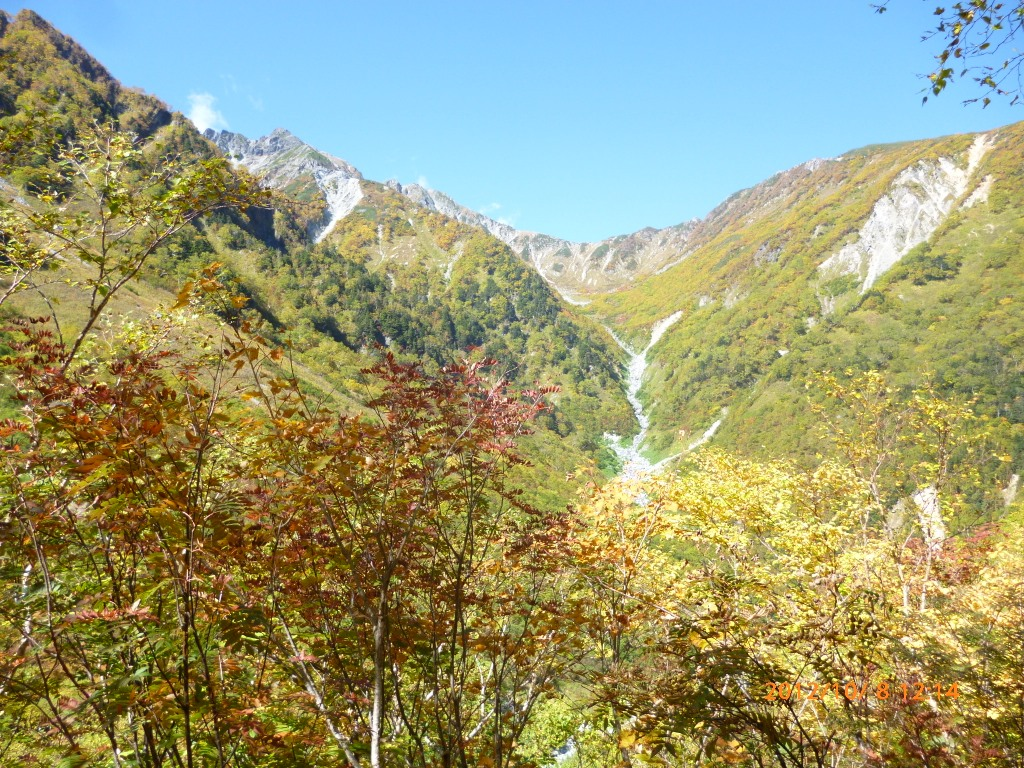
<point x="794" y="598"/>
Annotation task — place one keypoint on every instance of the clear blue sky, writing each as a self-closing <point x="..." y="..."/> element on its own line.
<point x="577" y="119"/>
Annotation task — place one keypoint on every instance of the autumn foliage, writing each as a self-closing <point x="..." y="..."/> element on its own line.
<point x="207" y="561"/>
<point x="853" y="613"/>
<point x="206" y="568"/>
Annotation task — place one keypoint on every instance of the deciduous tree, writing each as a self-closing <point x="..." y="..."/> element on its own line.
<point x="976" y="40"/>
<point x="103" y="205"/>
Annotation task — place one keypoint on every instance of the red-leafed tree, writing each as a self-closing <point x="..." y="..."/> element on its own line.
<point x="209" y="568"/>
<point x="119" y="500"/>
<point x="419" y="602"/>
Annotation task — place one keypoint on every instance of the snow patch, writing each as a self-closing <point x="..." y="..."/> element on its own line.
<point x="708" y="434"/>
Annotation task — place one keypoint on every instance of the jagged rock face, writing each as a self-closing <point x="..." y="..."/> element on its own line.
<point x="918" y="201"/>
<point x="573" y="268"/>
<point x="440" y="202"/>
<point x="286" y="162"/>
<point x="280" y="156"/>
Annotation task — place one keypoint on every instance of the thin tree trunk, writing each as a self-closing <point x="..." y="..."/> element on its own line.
<point x="379" y="653"/>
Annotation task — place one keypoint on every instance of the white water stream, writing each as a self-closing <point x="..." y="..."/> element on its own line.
<point x="634" y="464"/>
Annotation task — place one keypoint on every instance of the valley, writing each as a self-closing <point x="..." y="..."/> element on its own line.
<point x="302" y="468"/>
<point x="778" y="271"/>
<point x="634" y="464"/>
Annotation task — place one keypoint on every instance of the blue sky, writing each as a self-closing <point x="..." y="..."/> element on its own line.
<point x="577" y="119"/>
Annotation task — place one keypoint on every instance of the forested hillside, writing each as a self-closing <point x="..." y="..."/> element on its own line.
<point x="392" y="274"/>
<point x="763" y="308"/>
<point x="281" y="486"/>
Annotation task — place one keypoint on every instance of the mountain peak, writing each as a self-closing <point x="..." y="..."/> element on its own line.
<point x="26" y="15"/>
<point x="280" y="153"/>
<point x="65" y="47"/>
<point x="286" y="162"/>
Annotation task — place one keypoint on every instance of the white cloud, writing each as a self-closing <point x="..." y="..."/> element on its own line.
<point x="422" y="181"/>
<point x="203" y="113"/>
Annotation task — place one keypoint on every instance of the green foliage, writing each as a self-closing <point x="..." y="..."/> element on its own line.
<point x="391" y="274"/>
<point x="427" y="290"/>
<point x="42" y="71"/>
<point x="752" y="334"/>
<point x="321" y="543"/>
<point x="107" y="205"/>
<point x="976" y="39"/>
<point x="136" y="492"/>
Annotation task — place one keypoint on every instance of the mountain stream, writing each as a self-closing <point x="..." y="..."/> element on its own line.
<point x="634" y="464"/>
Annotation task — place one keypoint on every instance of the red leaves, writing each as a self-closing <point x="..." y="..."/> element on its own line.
<point x="203" y="542"/>
<point x="112" y="615"/>
<point x="961" y="560"/>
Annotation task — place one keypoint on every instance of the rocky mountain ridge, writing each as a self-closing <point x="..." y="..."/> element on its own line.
<point x="915" y="205"/>
<point x="574" y="269"/>
<point x="900" y="257"/>
<point x="392" y="274"/>
<point x="774" y="269"/>
<point x="287" y="163"/>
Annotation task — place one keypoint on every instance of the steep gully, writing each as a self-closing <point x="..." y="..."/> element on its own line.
<point x="918" y="201"/>
<point x="634" y="463"/>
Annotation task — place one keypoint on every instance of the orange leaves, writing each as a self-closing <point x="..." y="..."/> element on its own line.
<point x="130" y="498"/>
<point x="133" y="613"/>
<point x="282" y="551"/>
<point x="397" y="550"/>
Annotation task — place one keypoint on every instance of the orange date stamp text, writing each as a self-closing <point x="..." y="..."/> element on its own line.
<point x="854" y="690"/>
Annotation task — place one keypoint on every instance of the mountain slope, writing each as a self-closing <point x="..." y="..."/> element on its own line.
<point x="765" y="281"/>
<point x="388" y="272"/>
<point x="42" y="70"/>
<point x="902" y="257"/>
<point x="387" y="267"/>
<point x="905" y="258"/>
